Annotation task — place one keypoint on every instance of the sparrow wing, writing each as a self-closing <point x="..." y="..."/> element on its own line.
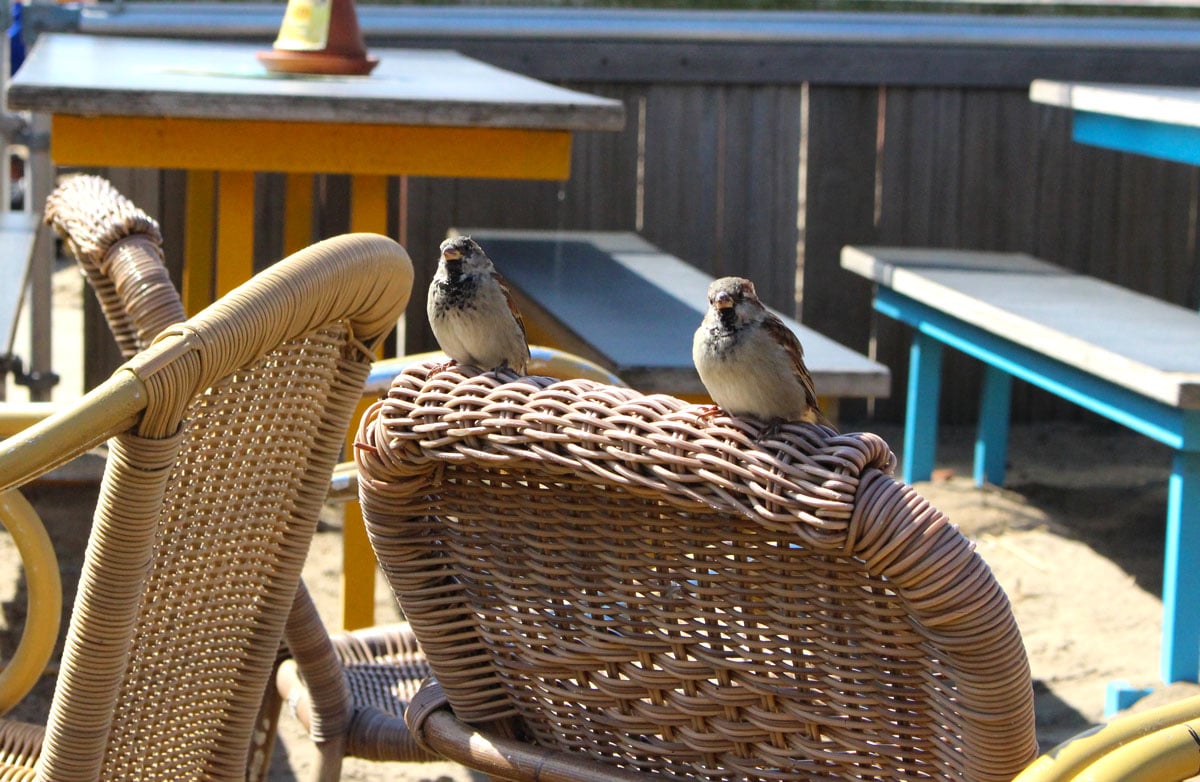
<point x="786" y="338"/>
<point x="512" y="307"/>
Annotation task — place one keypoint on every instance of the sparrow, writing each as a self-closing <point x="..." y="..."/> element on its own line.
<point x="749" y="361"/>
<point x="471" y="310"/>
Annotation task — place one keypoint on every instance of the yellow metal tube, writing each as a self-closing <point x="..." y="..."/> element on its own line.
<point x="44" y="587"/>
<point x="1077" y="756"/>
<point x="1166" y="755"/>
<point x="109" y="408"/>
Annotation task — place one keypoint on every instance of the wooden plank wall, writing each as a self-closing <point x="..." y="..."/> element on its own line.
<point x="742" y="166"/>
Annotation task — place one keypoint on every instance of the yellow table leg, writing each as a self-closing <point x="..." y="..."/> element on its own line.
<point x="297" y="212"/>
<point x="358" y="559"/>
<point x="368" y="203"/>
<point x="368" y="212"/>
<point x="198" y="241"/>
<point x="235" y="229"/>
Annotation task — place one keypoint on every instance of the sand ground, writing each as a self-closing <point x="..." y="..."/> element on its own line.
<point x="1075" y="538"/>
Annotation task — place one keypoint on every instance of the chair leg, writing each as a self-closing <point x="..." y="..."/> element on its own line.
<point x="921" y="407"/>
<point x="991" y="437"/>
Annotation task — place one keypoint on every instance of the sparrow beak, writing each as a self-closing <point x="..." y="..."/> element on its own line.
<point x="722" y="301"/>
<point x="451" y="254"/>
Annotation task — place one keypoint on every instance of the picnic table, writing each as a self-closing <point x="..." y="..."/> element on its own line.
<point x="1160" y="122"/>
<point x="1132" y="358"/>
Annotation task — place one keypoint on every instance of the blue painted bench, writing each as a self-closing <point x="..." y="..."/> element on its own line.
<point x="1131" y="358"/>
<point x="614" y="298"/>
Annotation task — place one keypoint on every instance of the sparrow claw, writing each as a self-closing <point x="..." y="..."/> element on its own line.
<point x="770" y="431"/>
<point x="505" y="371"/>
<point x="709" y="411"/>
<point x="442" y="367"/>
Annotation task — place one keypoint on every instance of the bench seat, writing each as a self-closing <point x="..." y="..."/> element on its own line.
<point x="1129" y="357"/>
<point x="616" y="299"/>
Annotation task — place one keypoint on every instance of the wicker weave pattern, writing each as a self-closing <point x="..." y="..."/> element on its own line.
<point x="19" y="746"/>
<point x="633" y="582"/>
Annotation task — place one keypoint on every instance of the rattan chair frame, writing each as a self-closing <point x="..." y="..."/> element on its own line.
<point x="119" y="249"/>
<point x="226" y="431"/>
<point x="606" y="582"/>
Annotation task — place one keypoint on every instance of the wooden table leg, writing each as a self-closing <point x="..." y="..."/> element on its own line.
<point x="200" y="222"/>
<point x="991" y="436"/>
<point x="921" y="413"/>
<point x="297" y="212"/>
<point x="235" y="229"/>
<point x="1181" y="569"/>
<point x="368" y="212"/>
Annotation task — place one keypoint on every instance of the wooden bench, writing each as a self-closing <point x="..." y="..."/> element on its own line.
<point x="1129" y="357"/>
<point x="618" y="300"/>
<point x="18" y="231"/>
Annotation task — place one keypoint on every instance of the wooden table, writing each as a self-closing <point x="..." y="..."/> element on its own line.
<point x="212" y="109"/>
<point x="1161" y="122"/>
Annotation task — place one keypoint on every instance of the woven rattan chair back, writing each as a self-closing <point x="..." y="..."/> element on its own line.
<point x="616" y="577"/>
<point x="210" y="496"/>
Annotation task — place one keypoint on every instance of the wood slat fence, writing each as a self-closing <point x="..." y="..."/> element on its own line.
<point x="760" y="143"/>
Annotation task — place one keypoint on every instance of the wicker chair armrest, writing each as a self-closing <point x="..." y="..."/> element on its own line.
<point x="119" y="249"/>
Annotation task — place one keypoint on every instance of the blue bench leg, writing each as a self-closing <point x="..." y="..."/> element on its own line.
<point x="991" y="437"/>
<point x="1180" y="653"/>
<point x="921" y="407"/>
<point x="1181" y="572"/>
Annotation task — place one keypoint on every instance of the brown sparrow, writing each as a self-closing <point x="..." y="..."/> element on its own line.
<point x="750" y="362"/>
<point x="471" y="310"/>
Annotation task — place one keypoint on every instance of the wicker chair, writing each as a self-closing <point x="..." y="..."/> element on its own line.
<point x="119" y="250"/>
<point x="226" y="431"/>
<point x="606" y="583"/>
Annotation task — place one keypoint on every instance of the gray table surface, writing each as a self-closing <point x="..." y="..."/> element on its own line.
<point x="1171" y="105"/>
<point x="157" y="77"/>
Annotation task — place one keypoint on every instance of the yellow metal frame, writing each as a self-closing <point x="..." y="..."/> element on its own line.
<point x="43" y="604"/>
<point x="17" y="416"/>
<point x="53" y="440"/>
<point x="1156" y="745"/>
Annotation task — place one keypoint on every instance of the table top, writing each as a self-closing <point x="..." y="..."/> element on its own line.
<point x="1165" y="105"/>
<point x="156" y="77"/>
<point x="1133" y="340"/>
<point x="1161" y="122"/>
